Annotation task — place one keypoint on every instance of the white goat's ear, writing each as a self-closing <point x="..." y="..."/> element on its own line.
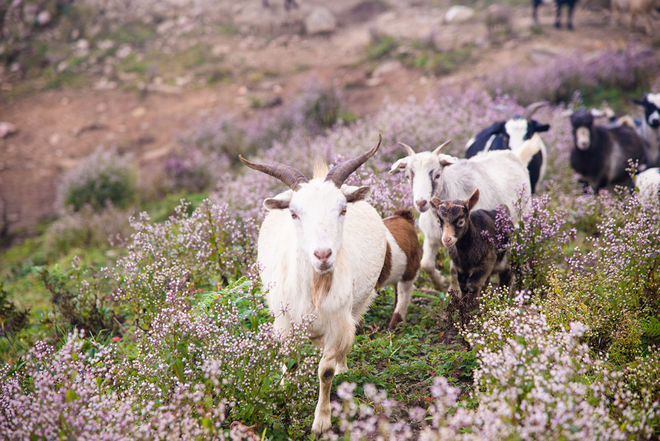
<point x="354" y="194"/>
<point x="279" y="202"/>
<point x="399" y="165"/>
<point x="446" y="160"/>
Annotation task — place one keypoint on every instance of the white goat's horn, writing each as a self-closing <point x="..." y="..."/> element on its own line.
<point x="287" y="174"/>
<point x="442" y="146"/>
<point x="409" y="149"/>
<point x="532" y="108"/>
<point x="342" y="171"/>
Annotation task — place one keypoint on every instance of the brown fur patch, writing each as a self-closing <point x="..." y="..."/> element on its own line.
<point x="387" y="268"/>
<point x="407" y="215"/>
<point x="403" y="230"/>
<point x="321" y="284"/>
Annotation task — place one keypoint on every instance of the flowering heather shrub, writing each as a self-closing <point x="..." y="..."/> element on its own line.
<point x="86" y="228"/>
<point x="192" y="374"/>
<point x="100" y="178"/>
<point x="531" y="384"/>
<point x="208" y="248"/>
<point x="557" y="80"/>
<point x="537" y="242"/>
<point x="613" y="288"/>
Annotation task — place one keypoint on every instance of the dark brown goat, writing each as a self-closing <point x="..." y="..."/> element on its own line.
<point x="473" y="257"/>
<point x="402" y="262"/>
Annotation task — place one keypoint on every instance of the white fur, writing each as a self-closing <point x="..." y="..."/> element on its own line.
<point x="517" y="129"/>
<point x="497" y="175"/>
<point x="286" y="249"/>
<point x="404" y="290"/>
<point x="648" y="183"/>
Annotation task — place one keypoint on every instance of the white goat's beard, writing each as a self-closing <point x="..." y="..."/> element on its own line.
<point x="321" y="284"/>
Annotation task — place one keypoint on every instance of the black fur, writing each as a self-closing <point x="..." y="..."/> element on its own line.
<point x="594" y="163"/>
<point x="501" y="142"/>
<point x="570" y="5"/>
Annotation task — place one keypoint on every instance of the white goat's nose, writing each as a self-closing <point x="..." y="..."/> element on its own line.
<point x="323" y="255"/>
<point x="421" y="203"/>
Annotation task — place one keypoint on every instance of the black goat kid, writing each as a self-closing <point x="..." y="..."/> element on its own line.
<point x="473" y="257"/>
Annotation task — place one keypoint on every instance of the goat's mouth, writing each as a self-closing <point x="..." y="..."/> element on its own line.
<point x="323" y="267"/>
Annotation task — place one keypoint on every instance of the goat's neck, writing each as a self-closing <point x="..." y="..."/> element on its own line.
<point x="452" y="184"/>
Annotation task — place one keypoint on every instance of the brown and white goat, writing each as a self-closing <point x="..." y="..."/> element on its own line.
<point x="402" y="262"/>
<point x="473" y="257"/>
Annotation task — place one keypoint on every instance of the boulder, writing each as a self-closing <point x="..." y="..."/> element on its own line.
<point x="6" y="129"/>
<point x="459" y="14"/>
<point x="320" y="21"/>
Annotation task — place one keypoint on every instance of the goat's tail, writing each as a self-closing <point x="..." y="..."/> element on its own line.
<point x="407" y="215"/>
<point x="530" y="148"/>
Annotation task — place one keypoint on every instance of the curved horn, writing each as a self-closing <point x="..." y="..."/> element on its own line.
<point x="409" y="149"/>
<point x="597" y="113"/>
<point x="506" y="111"/>
<point x="532" y="108"/>
<point x="442" y="146"/>
<point x="289" y="175"/>
<point x="341" y="171"/>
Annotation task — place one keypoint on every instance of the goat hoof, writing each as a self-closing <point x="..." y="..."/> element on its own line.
<point x="558" y="25"/>
<point x="321" y="424"/>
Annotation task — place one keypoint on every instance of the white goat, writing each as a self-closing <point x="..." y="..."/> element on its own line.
<point x="322" y="249"/>
<point x="497" y="174"/>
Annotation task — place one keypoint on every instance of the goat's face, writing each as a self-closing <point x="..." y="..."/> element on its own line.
<point x="318" y="210"/>
<point x="582" y="121"/>
<point x="424" y="172"/>
<point x="520" y="130"/>
<point x="454" y="217"/>
<point x="651" y="103"/>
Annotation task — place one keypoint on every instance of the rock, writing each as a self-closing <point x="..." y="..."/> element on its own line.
<point x="165" y="27"/>
<point x="459" y="14"/>
<point x="320" y="21"/>
<point x="123" y="51"/>
<point x="386" y="68"/>
<point x="43" y="18"/>
<point x="105" y="84"/>
<point x="373" y="82"/>
<point x="82" y="45"/>
<point x="138" y="112"/>
<point x="54" y="139"/>
<point x="6" y="129"/>
<point x="104" y="45"/>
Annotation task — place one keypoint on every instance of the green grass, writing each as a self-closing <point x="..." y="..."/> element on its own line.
<point x="382" y="48"/>
<point x="405" y="362"/>
<point x="135" y="34"/>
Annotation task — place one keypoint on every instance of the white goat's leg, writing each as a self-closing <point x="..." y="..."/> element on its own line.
<point x="338" y="341"/>
<point x="430" y="252"/>
<point x="404" y="295"/>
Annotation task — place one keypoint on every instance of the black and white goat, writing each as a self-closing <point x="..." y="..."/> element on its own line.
<point x="600" y="154"/>
<point x="570" y="5"/>
<point x="649" y="128"/>
<point x="510" y="135"/>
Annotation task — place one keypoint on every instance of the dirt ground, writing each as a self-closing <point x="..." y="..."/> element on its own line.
<point x="57" y="128"/>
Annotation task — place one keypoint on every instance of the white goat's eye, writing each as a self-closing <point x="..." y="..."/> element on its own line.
<point x="294" y="215"/>
<point x="343" y="211"/>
